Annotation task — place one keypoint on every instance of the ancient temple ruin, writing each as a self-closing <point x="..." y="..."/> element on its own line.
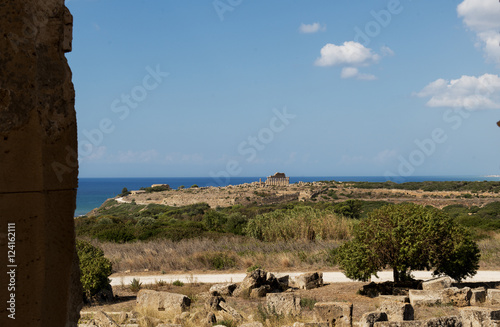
<point x="278" y="179"/>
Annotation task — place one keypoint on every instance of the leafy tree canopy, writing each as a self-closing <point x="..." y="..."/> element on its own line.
<point x="409" y="237"/>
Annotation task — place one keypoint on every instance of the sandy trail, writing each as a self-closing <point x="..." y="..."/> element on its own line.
<point x="328" y="277"/>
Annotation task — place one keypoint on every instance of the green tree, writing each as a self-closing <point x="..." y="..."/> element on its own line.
<point x="125" y="192"/>
<point x="94" y="268"/>
<point x="409" y="237"/>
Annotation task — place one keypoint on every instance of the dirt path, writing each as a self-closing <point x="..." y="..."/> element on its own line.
<point x="328" y="277"/>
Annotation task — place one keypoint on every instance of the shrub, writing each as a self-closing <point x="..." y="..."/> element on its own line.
<point x="135" y="285"/>
<point x="307" y="303"/>
<point x="254" y="267"/>
<point x="178" y="283"/>
<point x="94" y="268"/>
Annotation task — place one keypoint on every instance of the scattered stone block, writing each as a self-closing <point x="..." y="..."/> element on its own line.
<point x="478" y="295"/>
<point x="101" y="319"/>
<point x="252" y="280"/>
<point x="211" y="318"/>
<point x="230" y="310"/>
<point x="370" y="318"/>
<point x="310" y="324"/>
<point x="414" y="323"/>
<point x="308" y="281"/>
<point x="212" y="303"/>
<point x="260" y="291"/>
<point x="163" y="301"/>
<point x="479" y="317"/>
<point x="283" y="303"/>
<point x="437" y="284"/>
<point x="444" y="322"/>
<point x="493" y="296"/>
<point x="421" y="297"/>
<point x="334" y="313"/>
<point x="223" y="289"/>
<point x="459" y="297"/>
<point x="397" y="311"/>
<point x="396" y="298"/>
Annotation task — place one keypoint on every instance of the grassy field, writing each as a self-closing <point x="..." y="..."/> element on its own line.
<point x="289" y="236"/>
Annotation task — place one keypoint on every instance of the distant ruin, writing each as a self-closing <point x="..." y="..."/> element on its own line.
<point x="278" y="179"/>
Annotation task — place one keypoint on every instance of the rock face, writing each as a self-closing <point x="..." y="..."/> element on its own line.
<point x="163" y="301"/>
<point x="38" y="164"/>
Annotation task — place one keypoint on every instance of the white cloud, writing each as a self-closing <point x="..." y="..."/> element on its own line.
<point x="352" y="72"/>
<point x="311" y="28"/>
<point x="468" y="92"/>
<point x="386" y="51"/>
<point x="482" y="17"/>
<point x="350" y="53"/>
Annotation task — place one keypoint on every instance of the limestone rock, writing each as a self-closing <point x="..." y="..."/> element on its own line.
<point x="227" y="308"/>
<point x="39" y="162"/>
<point x="493" y="296"/>
<point x="436" y="284"/>
<point x="308" y="281"/>
<point x="163" y="301"/>
<point x="334" y="313"/>
<point x="459" y="297"/>
<point x="421" y="297"/>
<point x="479" y="317"/>
<point x="254" y="279"/>
<point x="223" y="289"/>
<point x="261" y="291"/>
<point x="283" y="303"/>
<point x="213" y="303"/>
<point x="211" y="318"/>
<point x="370" y="318"/>
<point x="444" y="322"/>
<point x="478" y="295"/>
<point x="397" y="311"/>
<point x="101" y="319"/>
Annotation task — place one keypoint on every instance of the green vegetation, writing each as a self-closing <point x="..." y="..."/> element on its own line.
<point x="480" y="221"/>
<point x="177" y="283"/>
<point x="124" y="192"/>
<point x="307" y="303"/>
<point x="408" y="237"/>
<point x="459" y="186"/>
<point x="159" y="188"/>
<point x="94" y="268"/>
<point x="135" y="285"/>
<point x="299" y="223"/>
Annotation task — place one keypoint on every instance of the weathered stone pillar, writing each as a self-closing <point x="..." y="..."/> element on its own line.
<point x="39" y="278"/>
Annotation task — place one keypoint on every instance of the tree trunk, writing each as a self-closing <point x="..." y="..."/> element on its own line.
<point x="395" y="275"/>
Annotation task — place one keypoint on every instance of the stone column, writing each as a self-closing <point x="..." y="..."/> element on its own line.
<point x="39" y="278"/>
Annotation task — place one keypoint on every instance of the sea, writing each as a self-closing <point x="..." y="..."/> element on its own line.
<point x="92" y="192"/>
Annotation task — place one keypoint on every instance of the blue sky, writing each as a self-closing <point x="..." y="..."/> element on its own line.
<point x="312" y="88"/>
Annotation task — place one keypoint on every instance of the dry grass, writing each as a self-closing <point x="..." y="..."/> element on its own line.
<point x="240" y="253"/>
<point x="490" y="252"/>
<point x="230" y="253"/>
